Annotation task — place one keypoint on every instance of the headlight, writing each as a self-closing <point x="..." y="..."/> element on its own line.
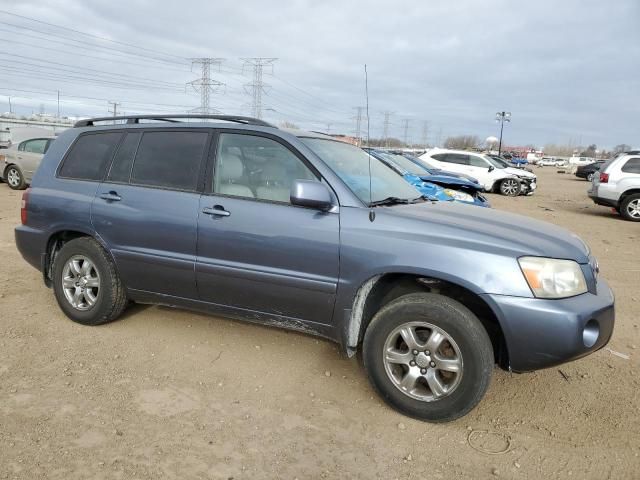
<point x="553" y="278"/>
<point x="458" y="195"/>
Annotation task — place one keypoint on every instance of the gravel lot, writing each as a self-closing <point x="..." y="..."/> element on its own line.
<point x="172" y="394"/>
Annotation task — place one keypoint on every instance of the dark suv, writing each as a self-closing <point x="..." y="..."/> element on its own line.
<point x="297" y="230"/>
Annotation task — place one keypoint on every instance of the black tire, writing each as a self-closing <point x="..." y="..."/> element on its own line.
<point x="111" y="297"/>
<point x="455" y="320"/>
<point x="510" y="187"/>
<point x="629" y="205"/>
<point x="14" y="178"/>
<point x="590" y="177"/>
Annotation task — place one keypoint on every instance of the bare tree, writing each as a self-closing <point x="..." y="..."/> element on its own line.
<point x="623" y="147"/>
<point x="288" y="124"/>
<point x="462" y="142"/>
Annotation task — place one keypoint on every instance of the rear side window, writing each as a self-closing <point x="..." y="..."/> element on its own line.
<point x="90" y="155"/>
<point x="441" y="157"/>
<point x="169" y="159"/>
<point x="632" y="166"/>
<point x="476" y="161"/>
<point x="39" y="145"/>
<point x="458" y="158"/>
<point x="123" y="161"/>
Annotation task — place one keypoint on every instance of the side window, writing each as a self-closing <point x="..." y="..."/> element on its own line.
<point x="441" y="157"/>
<point x="37" y="145"/>
<point x="121" y="167"/>
<point x="458" y="158"/>
<point x="169" y="159"/>
<point x="632" y="166"/>
<point x="90" y="155"/>
<point x="256" y="167"/>
<point x="475" y="161"/>
<point x="21" y="146"/>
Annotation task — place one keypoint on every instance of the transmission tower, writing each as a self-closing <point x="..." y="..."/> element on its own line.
<point x="257" y="87"/>
<point x="385" y="134"/>
<point x="205" y="85"/>
<point x="405" y="131"/>
<point x="358" y="118"/>
<point x="425" y="133"/>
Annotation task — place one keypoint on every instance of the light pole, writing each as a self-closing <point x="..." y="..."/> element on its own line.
<point x="502" y="117"/>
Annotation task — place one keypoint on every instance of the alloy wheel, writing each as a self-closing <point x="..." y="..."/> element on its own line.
<point x="80" y="282"/>
<point x="510" y="187"/>
<point x="633" y="209"/>
<point x="13" y="177"/>
<point x="423" y="361"/>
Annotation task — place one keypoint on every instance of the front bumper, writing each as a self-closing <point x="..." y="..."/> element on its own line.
<point x="528" y="186"/>
<point x="541" y="333"/>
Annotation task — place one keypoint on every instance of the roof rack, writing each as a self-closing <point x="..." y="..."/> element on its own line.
<point x="134" y="119"/>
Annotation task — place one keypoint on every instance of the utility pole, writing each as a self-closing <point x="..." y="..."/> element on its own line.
<point x="205" y="85"/>
<point x="439" y="140"/>
<point x="425" y="133"/>
<point x="257" y="87"/>
<point x="502" y="117"/>
<point x="328" y="127"/>
<point x="114" y="110"/>
<point x="58" y="104"/>
<point x="405" y="131"/>
<point x="385" y="134"/>
<point x="358" y="117"/>
<point x="10" y="111"/>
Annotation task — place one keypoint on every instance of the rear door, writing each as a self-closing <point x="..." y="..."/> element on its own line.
<point x="146" y="209"/>
<point x="257" y="252"/>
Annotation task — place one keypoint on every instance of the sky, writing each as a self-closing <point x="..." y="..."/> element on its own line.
<point x="568" y="71"/>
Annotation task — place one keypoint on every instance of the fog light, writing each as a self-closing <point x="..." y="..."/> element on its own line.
<point x="590" y="333"/>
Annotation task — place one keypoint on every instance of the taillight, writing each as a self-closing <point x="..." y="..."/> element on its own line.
<point x="23" y="206"/>
<point x="604" y="178"/>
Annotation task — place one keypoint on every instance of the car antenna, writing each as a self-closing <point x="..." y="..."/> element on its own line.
<point x="372" y="213"/>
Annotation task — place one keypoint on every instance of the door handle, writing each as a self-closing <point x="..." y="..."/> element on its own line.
<point x="110" y="196"/>
<point x="217" y="210"/>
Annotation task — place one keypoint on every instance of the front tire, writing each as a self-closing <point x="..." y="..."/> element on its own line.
<point x="630" y="207"/>
<point x="86" y="283"/>
<point x="510" y="187"/>
<point x="14" y="178"/>
<point x="428" y="357"/>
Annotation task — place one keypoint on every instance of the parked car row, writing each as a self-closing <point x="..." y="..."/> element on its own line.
<point x="22" y="160"/>
<point x="298" y="230"/>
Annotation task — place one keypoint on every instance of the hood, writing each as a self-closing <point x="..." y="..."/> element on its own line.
<point x="448" y="181"/>
<point x="520" y="172"/>
<point x="487" y="230"/>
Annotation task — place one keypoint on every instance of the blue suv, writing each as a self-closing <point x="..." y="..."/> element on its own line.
<point x="297" y="230"/>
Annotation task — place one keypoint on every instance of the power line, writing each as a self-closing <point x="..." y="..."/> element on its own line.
<point x="257" y="86"/>
<point x="205" y="85"/>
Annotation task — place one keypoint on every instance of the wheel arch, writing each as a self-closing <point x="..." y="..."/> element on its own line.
<point x="630" y="191"/>
<point x="381" y="289"/>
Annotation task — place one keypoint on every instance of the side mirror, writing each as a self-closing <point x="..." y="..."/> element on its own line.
<point x="491" y="168"/>
<point x="311" y="194"/>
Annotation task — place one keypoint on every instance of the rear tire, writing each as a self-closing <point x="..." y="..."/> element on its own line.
<point x="450" y="373"/>
<point x="86" y="283"/>
<point x="14" y="178"/>
<point x="590" y="177"/>
<point x="630" y="207"/>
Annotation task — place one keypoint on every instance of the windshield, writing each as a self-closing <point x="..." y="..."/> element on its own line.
<point x="351" y="164"/>
<point x="497" y="162"/>
<point x="406" y="164"/>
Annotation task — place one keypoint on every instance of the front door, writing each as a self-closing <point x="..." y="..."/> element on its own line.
<point x="146" y="210"/>
<point x="257" y="253"/>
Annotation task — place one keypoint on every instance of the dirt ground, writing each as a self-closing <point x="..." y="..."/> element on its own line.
<point x="172" y="394"/>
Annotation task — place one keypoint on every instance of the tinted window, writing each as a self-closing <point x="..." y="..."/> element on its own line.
<point x="475" y="161"/>
<point x="38" y="145"/>
<point x="458" y="158"/>
<point x="121" y="166"/>
<point x="90" y="155"/>
<point x="169" y="159"/>
<point x="257" y="167"/>
<point x="441" y="157"/>
<point x="632" y="166"/>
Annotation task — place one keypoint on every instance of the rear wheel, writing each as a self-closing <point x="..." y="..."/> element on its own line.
<point x="14" y="177"/>
<point x="86" y="284"/>
<point x="590" y="177"/>
<point x="510" y="187"/>
<point x="630" y="207"/>
<point x="428" y="357"/>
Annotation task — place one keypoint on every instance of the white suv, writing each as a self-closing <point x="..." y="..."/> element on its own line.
<point x="618" y="185"/>
<point x="493" y="173"/>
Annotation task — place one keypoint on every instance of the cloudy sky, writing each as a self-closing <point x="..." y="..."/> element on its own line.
<point x="568" y="71"/>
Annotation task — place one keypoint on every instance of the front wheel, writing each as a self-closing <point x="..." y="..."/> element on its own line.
<point x="510" y="187"/>
<point x="428" y="357"/>
<point x="15" y="178"/>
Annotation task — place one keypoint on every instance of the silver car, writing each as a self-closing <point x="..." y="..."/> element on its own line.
<point x="618" y="185"/>
<point x="22" y="160"/>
